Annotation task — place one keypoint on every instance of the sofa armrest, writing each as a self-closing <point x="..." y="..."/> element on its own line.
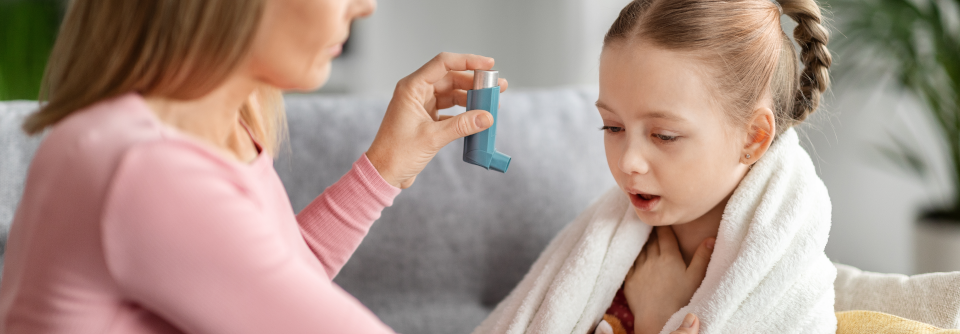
<point x="930" y="298"/>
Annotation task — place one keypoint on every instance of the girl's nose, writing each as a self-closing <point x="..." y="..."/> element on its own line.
<point x="632" y="161"/>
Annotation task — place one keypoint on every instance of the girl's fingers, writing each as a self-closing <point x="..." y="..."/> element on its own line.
<point x="668" y="240"/>
<point x="653" y="245"/>
<point x="701" y="258"/>
<point x="640" y="259"/>
<point x="690" y="325"/>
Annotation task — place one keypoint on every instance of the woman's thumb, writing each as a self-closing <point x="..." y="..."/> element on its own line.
<point x="464" y="124"/>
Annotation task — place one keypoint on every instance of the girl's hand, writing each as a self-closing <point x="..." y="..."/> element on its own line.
<point x="660" y="283"/>
<point x="690" y="325"/>
<point x="412" y="131"/>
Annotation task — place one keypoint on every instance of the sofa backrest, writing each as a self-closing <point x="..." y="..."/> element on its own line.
<point x="456" y="242"/>
<point x="16" y="151"/>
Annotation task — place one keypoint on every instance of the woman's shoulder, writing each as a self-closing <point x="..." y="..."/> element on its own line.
<point x="100" y="132"/>
<point x="96" y="142"/>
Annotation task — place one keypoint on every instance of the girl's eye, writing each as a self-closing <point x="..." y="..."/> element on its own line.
<point x="665" y="137"/>
<point x="611" y="129"/>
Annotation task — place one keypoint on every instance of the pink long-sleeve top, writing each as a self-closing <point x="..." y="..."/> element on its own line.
<point x="129" y="226"/>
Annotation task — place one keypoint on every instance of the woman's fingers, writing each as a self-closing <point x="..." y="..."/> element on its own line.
<point x="454" y="98"/>
<point x="461" y="80"/>
<point x="438" y="67"/>
<point x="690" y="325"/>
<point x="462" y="125"/>
<point x="668" y="241"/>
<point x="454" y="80"/>
<point x="698" y="265"/>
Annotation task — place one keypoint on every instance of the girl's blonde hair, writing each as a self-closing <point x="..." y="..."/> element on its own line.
<point x="744" y="43"/>
<point x="176" y="49"/>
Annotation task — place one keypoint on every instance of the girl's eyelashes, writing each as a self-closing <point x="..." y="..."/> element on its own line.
<point x="611" y="129"/>
<point x="659" y="136"/>
<point x="665" y="138"/>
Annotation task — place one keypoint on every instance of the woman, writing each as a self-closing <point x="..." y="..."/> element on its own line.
<point x="152" y="205"/>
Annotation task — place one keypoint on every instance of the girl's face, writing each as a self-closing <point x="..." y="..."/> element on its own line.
<point x="669" y="146"/>
<point x="297" y="40"/>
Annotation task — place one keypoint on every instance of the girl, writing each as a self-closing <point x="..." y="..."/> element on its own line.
<point x="152" y="205"/>
<point x="698" y="100"/>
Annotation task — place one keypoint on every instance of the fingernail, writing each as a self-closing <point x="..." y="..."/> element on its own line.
<point x="481" y="121"/>
<point x="711" y="243"/>
<point x="688" y="321"/>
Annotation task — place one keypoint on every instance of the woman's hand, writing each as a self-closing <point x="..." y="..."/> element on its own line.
<point x="660" y="283"/>
<point x="412" y="131"/>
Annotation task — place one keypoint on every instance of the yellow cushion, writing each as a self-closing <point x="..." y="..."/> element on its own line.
<point x="857" y="322"/>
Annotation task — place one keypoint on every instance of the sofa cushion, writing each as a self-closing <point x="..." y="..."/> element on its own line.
<point x="872" y="322"/>
<point x="928" y="298"/>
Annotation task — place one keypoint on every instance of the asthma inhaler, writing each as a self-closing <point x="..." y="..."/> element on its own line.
<point x="478" y="149"/>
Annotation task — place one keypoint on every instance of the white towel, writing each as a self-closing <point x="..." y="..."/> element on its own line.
<point x="768" y="272"/>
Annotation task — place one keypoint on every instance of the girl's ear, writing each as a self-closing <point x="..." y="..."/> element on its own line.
<point x="760" y="131"/>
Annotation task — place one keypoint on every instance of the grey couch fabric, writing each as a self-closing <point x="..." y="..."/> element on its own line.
<point x="455" y="243"/>
<point x="16" y="151"/>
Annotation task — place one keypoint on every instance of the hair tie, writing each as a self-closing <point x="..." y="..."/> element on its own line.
<point x="777" y="3"/>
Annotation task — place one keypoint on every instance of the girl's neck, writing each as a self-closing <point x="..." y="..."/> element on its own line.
<point x="690" y="235"/>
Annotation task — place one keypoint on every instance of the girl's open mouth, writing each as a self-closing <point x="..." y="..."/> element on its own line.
<point x="644" y="202"/>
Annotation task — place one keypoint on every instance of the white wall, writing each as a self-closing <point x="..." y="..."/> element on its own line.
<point x="875" y="203"/>
<point x="536" y="42"/>
<point x="541" y="43"/>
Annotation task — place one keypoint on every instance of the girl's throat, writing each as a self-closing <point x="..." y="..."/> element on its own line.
<point x="692" y="234"/>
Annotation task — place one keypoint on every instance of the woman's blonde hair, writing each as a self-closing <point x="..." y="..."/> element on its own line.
<point x="177" y="49"/>
<point x="744" y="43"/>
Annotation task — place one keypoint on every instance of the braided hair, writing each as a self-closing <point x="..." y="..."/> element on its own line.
<point x="812" y="38"/>
<point x="743" y="40"/>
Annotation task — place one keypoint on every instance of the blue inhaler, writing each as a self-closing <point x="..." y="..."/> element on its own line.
<point x="478" y="149"/>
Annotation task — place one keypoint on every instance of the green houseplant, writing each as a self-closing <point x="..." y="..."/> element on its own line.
<point x="27" y="32"/>
<point x="919" y="41"/>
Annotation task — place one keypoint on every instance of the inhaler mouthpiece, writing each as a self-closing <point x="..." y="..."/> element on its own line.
<point x="478" y="149"/>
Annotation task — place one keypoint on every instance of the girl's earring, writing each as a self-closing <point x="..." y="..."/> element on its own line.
<point x="748" y="155"/>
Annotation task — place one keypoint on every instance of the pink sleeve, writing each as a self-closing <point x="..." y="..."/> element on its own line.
<point x="337" y="220"/>
<point x="197" y="250"/>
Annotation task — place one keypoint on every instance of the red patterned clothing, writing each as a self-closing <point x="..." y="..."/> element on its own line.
<point x="620" y="309"/>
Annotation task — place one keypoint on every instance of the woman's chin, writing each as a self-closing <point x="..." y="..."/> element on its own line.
<point x="314" y="80"/>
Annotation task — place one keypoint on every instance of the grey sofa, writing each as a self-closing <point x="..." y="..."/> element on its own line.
<point x="456" y="243"/>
